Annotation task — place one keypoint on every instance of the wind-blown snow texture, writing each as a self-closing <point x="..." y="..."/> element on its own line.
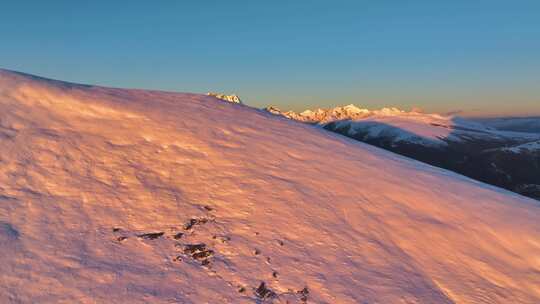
<point x="106" y="196"/>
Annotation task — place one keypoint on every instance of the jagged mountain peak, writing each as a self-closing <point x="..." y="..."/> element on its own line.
<point x="346" y="112"/>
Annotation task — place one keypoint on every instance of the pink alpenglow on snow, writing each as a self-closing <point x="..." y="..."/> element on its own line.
<point x="132" y="196"/>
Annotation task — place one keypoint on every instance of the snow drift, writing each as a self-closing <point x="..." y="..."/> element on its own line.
<point x="132" y="196"/>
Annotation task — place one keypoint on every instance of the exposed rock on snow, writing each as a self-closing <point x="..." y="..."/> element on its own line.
<point x="339" y="221"/>
<point x="229" y="98"/>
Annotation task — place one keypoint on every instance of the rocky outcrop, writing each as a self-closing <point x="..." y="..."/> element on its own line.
<point x="229" y="98"/>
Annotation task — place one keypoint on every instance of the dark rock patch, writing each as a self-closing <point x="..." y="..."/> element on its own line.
<point x="199" y="252"/>
<point x="151" y="235"/>
<point x="192" y="222"/>
<point x="223" y="239"/>
<point x="264" y="292"/>
<point x="202" y="254"/>
<point x="192" y="248"/>
<point x="303" y="294"/>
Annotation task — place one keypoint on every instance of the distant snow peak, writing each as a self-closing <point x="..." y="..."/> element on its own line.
<point x="349" y="112"/>
<point x="353" y="109"/>
<point x="390" y="111"/>
<point x="229" y="98"/>
<point x="323" y="115"/>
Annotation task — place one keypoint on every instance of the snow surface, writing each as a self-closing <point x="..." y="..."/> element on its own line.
<point x="87" y="172"/>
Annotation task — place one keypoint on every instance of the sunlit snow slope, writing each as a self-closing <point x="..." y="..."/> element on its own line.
<point x="90" y="177"/>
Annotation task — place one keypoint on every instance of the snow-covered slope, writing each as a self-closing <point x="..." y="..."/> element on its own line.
<point x="396" y="125"/>
<point x="107" y="195"/>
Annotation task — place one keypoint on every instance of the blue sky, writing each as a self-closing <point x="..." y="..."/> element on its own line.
<point x="478" y="57"/>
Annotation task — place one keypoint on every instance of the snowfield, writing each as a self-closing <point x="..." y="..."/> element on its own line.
<point x="133" y="196"/>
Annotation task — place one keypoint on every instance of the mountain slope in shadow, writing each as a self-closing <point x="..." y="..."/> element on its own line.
<point x="486" y="160"/>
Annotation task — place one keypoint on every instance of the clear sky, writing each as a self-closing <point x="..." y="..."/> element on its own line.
<point x="476" y="56"/>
